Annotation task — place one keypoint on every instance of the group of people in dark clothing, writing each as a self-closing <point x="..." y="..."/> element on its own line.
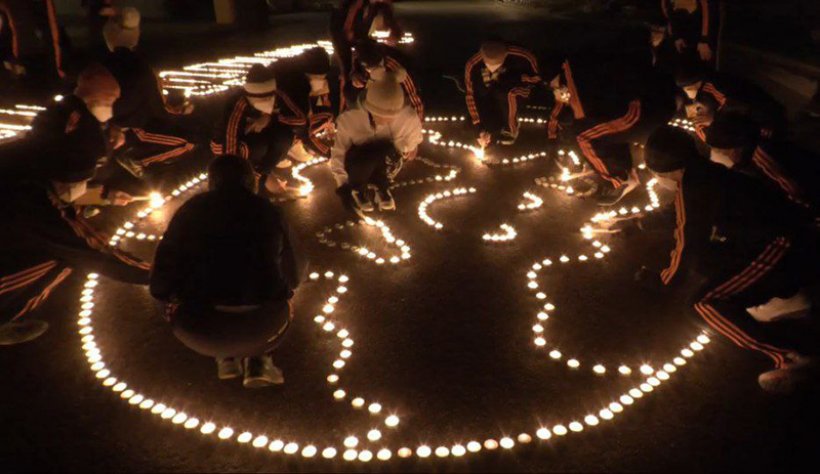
<point x="744" y="219"/>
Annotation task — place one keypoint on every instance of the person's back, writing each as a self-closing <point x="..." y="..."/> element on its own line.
<point x="228" y="248"/>
<point x="227" y="265"/>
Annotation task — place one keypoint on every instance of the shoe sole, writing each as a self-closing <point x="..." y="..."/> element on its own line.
<point x="261" y="382"/>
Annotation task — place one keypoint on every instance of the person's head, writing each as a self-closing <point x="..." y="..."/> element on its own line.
<point x="69" y="175"/>
<point x="494" y="53"/>
<point x="689" y="76"/>
<point x="668" y="152"/>
<point x="369" y="54"/>
<point x="729" y="136"/>
<point x="316" y="65"/>
<point x="122" y="30"/>
<point x="260" y="88"/>
<point x="229" y="172"/>
<point x="384" y="97"/>
<point x="98" y="89"/>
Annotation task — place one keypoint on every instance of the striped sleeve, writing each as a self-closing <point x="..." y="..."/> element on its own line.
<point x="294" y="116"/>
<point x="772" y="170"/>
<point x="232" y="130"/>
<point x="705" y="14"/>
<point x="350" y="19"/>
<point x="5" y="13"/>
<point x="409" y="87"/>
<point x="534" y="76"/>
<point x="680" y="239"/>
<point x="470" y="92"/>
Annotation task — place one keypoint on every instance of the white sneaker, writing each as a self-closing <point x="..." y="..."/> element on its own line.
<point x="778" y="308"/>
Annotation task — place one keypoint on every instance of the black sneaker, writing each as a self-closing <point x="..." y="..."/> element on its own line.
<point x="133" y="167"/>
<point x="18" y="332"/>
<point x="260" y="372"/>
<point x="385" y="201"/>
<point x="363" y="200"/>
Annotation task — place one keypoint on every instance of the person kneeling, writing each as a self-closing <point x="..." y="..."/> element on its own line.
<point x="227" y="267"/>
<point x="372" y="143"/>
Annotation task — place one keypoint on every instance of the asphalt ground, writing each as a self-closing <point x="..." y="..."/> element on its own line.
<point x="443" y="340"/>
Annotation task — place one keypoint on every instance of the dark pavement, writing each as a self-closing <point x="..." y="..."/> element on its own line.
<point x="444" y="340"/>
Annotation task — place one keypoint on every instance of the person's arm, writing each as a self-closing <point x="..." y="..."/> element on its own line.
<point x="341" y="145"/>
<point x="290" y="114"/>
<point x="532" y="74"/>
<point x="692" y="229"/>
<point x="408" y="85"/>
<point x="234" y="127"/>
<point x="9" y="44"/>
<point x="408" y="135"/>
<point x="166" y="274"/>
<point x="68" y="237"/>
<point x="350" y="25"/>
<point x="469" y="87"/>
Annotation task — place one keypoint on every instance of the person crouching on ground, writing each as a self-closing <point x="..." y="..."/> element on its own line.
<point x="260" y="124"/>
<point x="752" y="246"/>
<point x="227" y="268"/>
<point x="373" y="141"/>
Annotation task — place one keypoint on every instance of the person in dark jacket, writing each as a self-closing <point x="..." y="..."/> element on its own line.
<point x="228" y="265"/>
<point x="97" y="14"/>
<point x="370" y="55"/>
<point x="693" y="26"/>
<point x="496" y="78"/>
<point x="46" y="238"/>
<point x="141" y="113"/>
<point x="304" y="79"/>
<point x="751" y="246"/>
<point x="74" y="130"/>
<point x="608" y="112"/>
<point x="706" y="95"/>
<point x="260" y="124"/>
<point x="735" y="142"/>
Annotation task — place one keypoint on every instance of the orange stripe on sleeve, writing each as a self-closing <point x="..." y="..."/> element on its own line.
<point x="468" y="84"/>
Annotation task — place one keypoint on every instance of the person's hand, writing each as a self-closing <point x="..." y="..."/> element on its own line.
<point x="680" y="45"/>
<point x="259" y="124"/>
<point x="625" y="226"/>
<point x="116" y="137"/>
<point x="484" y="139"/>
<point x="703" y="118"/>
<point x="692" y="110"/>
<point x="15" y="68"/>
<point x="120" y="198"/>
<point x="412" y="154"/>
<point x="275" y="185"/>
<point x="705" y="51"/>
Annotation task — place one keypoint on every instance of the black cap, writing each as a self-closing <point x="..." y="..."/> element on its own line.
<point x="689" y="71"/>
<point x="670" y="149"/>
<point x="369" y="53"/>
<point x="732" y="131"/>
<point x="315" y="61"/>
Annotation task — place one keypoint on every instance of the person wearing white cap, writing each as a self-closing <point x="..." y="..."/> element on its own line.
<point x="372" y="142"/>
<point x="260" y="124"/>
<point x="142" y="117"/>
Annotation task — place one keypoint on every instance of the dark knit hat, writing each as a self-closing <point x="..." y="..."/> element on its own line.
<point x="369" y="53"/>
<point x="230" y="172"/>
<point x="670" y="149"/>
<point x="260" y="81"/>
<point x="689" y="71"/>
<point x="732" y="131"/>
<point x="315" y="61"/>
<point x="96" y="82"/>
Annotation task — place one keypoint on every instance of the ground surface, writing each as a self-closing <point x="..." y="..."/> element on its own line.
<point x="444" y="340"/>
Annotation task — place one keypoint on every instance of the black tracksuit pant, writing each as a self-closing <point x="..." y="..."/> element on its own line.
<point x="371" y="163"/>
<point x="220" y="332"/>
